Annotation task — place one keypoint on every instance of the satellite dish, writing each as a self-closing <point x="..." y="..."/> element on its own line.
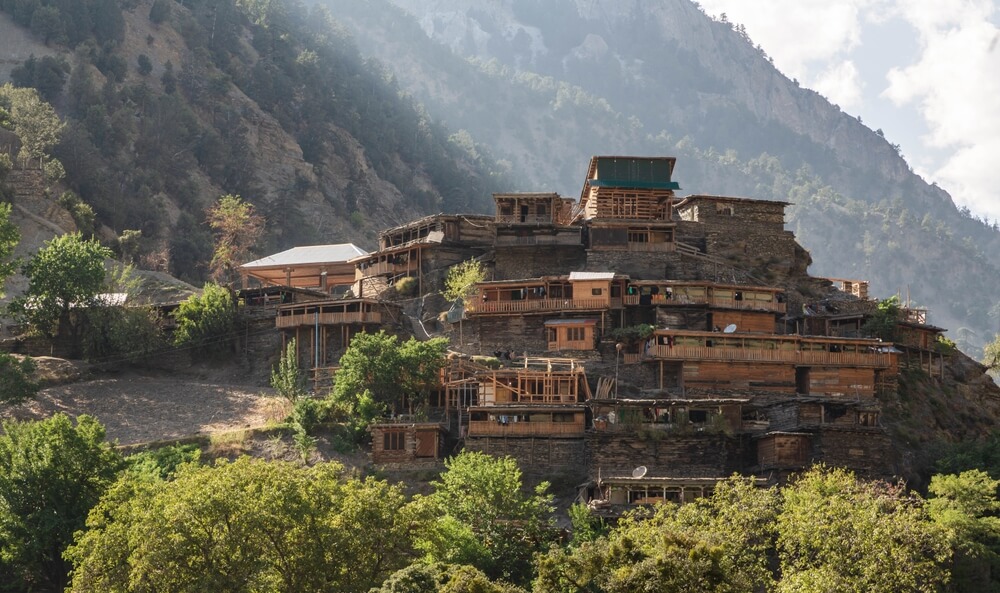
<point x="639" y="471"/>
<point x="729" y="328"/>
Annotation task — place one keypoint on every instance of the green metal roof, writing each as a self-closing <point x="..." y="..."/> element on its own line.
<point x="634" y="172"/>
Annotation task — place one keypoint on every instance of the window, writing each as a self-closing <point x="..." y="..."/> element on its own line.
<point x="563" y="417"/>
<point x="541" y="210"/>
<point x="550" y="334"/>
<point x="638" y="236"/>
<point x="575" y="334"/>
<point x="596" y="291"/>
<point x="394" y="441"/>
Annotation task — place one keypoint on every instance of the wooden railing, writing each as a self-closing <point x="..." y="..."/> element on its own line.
<point x="494" y="428"/>
<point x="518" y="219"/>
<point x="327" y="318"/>
<point x="631" y="358"/>
<point x="860" y="359"/>
<point x="652" y="247"/>
<point x="540" y="398"/>
<point x="537" y="305"/>
<point x="720" y="302"/>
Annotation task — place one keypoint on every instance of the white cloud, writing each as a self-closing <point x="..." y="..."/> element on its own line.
<point x="841" y="84"/>
<point x="795" y="32"/>
<point x="953" y="83"/>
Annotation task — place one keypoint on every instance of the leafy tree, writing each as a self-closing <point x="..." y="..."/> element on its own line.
<point x="480" y="514"/>
<point x="966" y="506"/>
<point x="376" y="371"/>
<point x="991" y="353"/>
<point x="10" y="236"/>
<point x="249" y="525"/>
<point x="206" y="322"/>
<point x="46" y="23"/>
<point x="67" y="272"/>
<point x="237" y="228"/>
<point x="460" y="283"/>
<point x="17" y="384"/>
<point x="162" y="462"/>
<point x="730" y="537"/>
<point x="33" y="120"/>
<point x="159" y="12"/>
<point x="286" y="378"/>
<point x="882" y="323"/>
<point x="145" y="64"/>
<point x="51" y="474"/>
<point x="837" y="533"/>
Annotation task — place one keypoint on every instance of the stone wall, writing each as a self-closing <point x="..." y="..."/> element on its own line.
<point x="516" y="263"/>
<point x="867" y="452"/>
<point x="700" y="455"/>
<point x="515" y="333"/>
<point x="537" y="455"/>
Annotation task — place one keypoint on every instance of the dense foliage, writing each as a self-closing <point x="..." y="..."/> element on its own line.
<point x="51" y="473"/>
<point x="379" y="375"/>
<point x="165" y="522"/>
<point x="67" y="273"/>
<point x="206" y="322"/>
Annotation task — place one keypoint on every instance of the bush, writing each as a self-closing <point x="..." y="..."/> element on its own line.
<point x="206" y="322"/>
<point x="17" y="384"/>
<point x="406" y="287"/>
<point x="308" y="413"/>
<point x="159" y="12"/>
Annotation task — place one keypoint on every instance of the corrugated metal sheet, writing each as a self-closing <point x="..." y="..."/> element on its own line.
<point x="591" y="276"/>
<point x="309" y="254"/>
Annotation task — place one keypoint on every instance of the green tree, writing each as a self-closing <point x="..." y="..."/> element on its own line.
<point x="159" y="12"/>
<point x="46" y="23"/>
<point x="991" y="353"/>
<point x="286" y="378"/>
<point x="376" y="372"/>
<point x="33" y="120"/>
<point x="67" y="272"/>
<point x="460" y="283"/>
<point x="837" y="533"/>
<point x="206" y="323"/>
<point x="966" y="506"/>
<point x="237" y="228"/>
<point x="17" y="383"/>
<point x="480" y="514"/>
<point x="51" y="474"/>
<point x="882" y="322"/>
<point x="249" y="525"/>
<point x="144" y="64"/>
<point x="10" y="236"/>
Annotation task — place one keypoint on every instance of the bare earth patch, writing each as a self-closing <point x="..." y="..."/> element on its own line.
<point x="137" y="408"/>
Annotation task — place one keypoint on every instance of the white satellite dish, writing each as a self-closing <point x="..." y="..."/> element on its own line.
<point x="639" y="471"/>
<point x="729" y="328"/>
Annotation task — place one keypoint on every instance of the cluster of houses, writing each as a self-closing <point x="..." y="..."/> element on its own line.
<point x="649" y="345"/>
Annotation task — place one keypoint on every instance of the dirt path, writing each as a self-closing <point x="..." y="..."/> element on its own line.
<point x="137" y="408"/>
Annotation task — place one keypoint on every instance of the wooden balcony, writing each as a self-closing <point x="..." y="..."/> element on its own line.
<point x="719" y="302"/>
<point x="538" y="305"/>
<point x="311" y="318"/>
<point x="494" y="428"/>
<point x="517" y="219"/>
<point x="804" y="358"/>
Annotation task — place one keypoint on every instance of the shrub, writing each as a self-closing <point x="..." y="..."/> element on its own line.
<point x="206" y="322"/>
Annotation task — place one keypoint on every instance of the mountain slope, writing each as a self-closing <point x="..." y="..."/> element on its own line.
<point x="169" y="105"/>
<point x="645" y="77"/>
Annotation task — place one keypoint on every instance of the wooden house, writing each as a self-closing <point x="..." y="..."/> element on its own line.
<point x="531" y="219"/>
<point x="325" y="268"/>
<point x="404" y="441"/>
<point x="579" y="291"/>
<point x="571" y="334"/>
<point x="667" y="415"/>
<point x="422" y="249"/>
<point x="788" y="364"/>
<point x="614" y="494"/>
<point x="628" y="204"/>
<point x="527" y="420"/>
<point x="540" y="381"/>
<point x="704" y="306"/>
<point x="321" y="328"/>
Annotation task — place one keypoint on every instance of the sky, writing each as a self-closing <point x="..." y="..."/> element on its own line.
<point x="925" y="72"/>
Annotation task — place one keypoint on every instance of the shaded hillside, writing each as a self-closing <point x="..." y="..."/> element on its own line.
<point x="170" y="104"/>
<point x="662" y="78"/>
